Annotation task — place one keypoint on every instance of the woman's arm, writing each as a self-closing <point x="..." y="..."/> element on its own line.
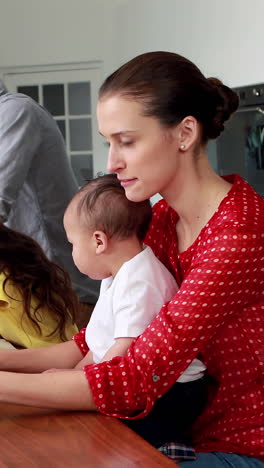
<point x="62" y="356"/>
<point x="208" y="298"/>
<point x="154" y="361"/>
<point x="59" y="390"/>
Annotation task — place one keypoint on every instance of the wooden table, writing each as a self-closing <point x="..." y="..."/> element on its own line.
<point x="37" y="438"/>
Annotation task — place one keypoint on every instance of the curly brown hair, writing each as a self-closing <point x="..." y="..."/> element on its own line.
<point x="24" y="264"/>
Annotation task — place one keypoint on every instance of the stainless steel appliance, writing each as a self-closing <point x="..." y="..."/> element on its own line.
<point x="240" y="149"/>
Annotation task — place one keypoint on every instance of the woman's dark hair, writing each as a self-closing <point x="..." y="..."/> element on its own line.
<point x="107" y="209"/>
<point x="25" y="265"/>
<point x="171" y="88"/>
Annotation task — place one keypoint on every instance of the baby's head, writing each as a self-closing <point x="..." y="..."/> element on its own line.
<point x="99" y="218"/>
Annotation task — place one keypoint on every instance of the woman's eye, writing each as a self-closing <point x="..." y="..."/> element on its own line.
<point x="126" y="143"/>
<point x="121" y="143"/>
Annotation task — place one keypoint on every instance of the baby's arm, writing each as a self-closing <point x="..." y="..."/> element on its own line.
<point x="86" y="361"/>
<point x="119" y="348"/>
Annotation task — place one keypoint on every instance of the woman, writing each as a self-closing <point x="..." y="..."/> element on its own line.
<point x="37" y="303"/>
<point x="157" y="113"/>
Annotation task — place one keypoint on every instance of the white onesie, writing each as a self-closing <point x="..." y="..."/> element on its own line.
<point x="129" y="302"/>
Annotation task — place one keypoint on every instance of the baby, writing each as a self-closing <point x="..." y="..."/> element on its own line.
<point x="106" y="231"/>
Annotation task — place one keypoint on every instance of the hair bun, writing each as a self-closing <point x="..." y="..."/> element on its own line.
<point x="226" y="102"/>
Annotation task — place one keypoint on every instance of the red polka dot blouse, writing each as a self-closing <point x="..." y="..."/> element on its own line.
<point x="216" y="314"/>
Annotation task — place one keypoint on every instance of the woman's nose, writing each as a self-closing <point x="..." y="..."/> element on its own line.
<point x="114" y="161"/>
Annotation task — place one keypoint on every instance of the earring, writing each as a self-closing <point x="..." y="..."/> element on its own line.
<point x="182" y="147"/>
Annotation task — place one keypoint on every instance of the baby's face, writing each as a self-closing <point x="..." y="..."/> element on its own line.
<point x="79" y="237"/>
<point x="84" y="245"/>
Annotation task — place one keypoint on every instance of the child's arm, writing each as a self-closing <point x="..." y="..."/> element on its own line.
<point x="63" y="356"/>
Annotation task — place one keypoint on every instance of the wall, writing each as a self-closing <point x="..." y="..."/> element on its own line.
<point x="223" y="38"/>
<point x="36" y="32"/>
<point x="46" y="32"/>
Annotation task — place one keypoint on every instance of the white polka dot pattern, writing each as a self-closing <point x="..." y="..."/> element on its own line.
<point x="217" y="313"/>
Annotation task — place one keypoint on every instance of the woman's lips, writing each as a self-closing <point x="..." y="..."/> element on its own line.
<point x="127" y="182"/>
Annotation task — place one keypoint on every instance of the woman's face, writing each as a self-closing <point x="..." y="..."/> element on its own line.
<point x="142" y="153"/>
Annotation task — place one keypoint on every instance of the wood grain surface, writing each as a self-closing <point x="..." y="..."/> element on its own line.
<point x="38" y="438"/>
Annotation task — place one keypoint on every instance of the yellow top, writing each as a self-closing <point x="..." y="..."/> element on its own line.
<point x="16" y="327"/>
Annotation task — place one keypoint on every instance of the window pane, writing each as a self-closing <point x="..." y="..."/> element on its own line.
<point x="79" y="98"/>
<point x="53" y="98"/>
<point x="82" y="165"/>
<point x="80" y="134"/>
<point x="61" y="125"/>
<point x="32" y="91"/>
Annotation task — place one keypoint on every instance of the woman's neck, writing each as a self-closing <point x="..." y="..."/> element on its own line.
<point x="196" y="196"/>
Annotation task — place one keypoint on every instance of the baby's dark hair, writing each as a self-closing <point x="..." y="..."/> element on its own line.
<point x="105" y="207"/>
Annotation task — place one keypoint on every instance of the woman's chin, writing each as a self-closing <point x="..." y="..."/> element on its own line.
<point x="134" y="197"/>
<point x="137" y="196"/>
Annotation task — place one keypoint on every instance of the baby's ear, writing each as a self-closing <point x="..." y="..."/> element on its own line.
<point x="101" y="241"/>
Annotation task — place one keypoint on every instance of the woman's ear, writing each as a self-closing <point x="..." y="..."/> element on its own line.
<point x="188" y="133"/>
<point x="100" y="241"/>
